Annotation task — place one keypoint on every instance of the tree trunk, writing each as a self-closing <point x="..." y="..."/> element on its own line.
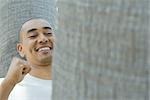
<point x="102" y="50"/>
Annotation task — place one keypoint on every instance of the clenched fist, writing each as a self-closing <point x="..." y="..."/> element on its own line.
<point x="17" y="70"/>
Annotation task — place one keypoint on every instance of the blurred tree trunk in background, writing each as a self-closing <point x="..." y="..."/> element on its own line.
<point x="102" y="50"/>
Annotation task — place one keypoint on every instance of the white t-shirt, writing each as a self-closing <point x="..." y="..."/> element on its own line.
<point x="32" y="88"/>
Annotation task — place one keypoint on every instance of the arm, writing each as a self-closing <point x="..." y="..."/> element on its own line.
<point x="17" y="70"/>
<point x="5" y="89"/>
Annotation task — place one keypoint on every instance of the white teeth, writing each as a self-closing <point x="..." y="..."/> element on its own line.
<point x="45" y="48"/>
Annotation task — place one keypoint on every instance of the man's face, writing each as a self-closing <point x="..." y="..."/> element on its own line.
<point x="37" y="42"/>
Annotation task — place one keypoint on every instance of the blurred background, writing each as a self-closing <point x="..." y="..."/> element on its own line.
<point x="102" y="49"/>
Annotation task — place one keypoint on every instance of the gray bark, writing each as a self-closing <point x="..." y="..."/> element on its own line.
<point x="102" y="50"/>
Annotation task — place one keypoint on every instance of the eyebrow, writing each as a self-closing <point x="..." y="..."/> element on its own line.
<point x="31" y="30"/>
<point x="34" y="29"/>
<point x="47" y="28"/>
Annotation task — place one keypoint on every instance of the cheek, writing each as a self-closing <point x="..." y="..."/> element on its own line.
<point x="52" y="39"/>
<point x="29" y="46"/>
<point x="30" y="42"/>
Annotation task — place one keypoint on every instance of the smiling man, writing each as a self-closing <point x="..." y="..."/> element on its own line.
<point x="31" y="79"/>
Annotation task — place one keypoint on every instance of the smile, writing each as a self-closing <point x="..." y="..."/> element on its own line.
<point x="44" y="49"/>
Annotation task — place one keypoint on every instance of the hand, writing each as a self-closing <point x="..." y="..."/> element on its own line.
<point x="17" y="70"/>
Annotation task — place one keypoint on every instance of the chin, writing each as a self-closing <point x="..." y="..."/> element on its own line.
<point x="46" y="60"/>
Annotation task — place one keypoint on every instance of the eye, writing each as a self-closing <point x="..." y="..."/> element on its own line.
<point x="33" y="36"/>
<point x="49" y="34"/>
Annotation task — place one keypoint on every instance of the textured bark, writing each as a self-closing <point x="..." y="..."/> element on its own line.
<point x="13" y="13"/>
<point x="102" y="50"/>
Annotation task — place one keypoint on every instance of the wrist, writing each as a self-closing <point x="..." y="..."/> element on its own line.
<point x="9" y="82"/>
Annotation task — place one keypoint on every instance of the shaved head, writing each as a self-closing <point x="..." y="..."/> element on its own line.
<point x="31" y="24"/>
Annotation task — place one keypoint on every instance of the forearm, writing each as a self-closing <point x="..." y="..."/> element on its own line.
<point x="5" y="89"/>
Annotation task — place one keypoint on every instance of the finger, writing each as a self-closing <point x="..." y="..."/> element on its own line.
<point x="15" y="58"/>
<point x="26" y="70"/>
<point x="24" y="63"/>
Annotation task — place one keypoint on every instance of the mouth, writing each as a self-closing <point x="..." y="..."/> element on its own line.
<point x="44" y="48"/>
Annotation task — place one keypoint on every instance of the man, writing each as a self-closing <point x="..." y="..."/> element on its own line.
<point x="30" y="79"/>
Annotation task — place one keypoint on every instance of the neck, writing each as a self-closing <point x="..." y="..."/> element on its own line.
<point x="43" y="72"/>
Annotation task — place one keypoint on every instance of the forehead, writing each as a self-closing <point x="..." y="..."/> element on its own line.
<point x="34" y="24"/>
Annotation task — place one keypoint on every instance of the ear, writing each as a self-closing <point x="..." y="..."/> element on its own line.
<point x="20" y="50"/>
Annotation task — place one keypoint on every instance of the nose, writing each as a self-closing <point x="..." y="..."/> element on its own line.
<point x="43" y="39"/>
